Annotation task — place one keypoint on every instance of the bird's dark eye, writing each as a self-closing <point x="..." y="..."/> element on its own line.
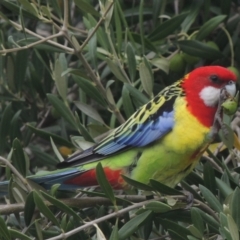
<point x="215" y="79"/>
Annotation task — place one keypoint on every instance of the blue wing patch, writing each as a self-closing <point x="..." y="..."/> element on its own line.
<point x="137" y="134"/>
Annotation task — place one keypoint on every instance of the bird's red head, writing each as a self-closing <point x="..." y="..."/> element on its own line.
<point x="202" y="87"/>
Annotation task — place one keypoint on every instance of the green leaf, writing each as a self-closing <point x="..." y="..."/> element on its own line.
<point x="115" y="68"/>
<point x="233" y="229"/>
<point x="197" y="220"/>
<point x="131" y="226"/>
<point x="160" y="63"/>
<point x="60" y="80"/>
<point x="127" y="102"/>
<point x="4" y="232"/>
<point x="18" y="157"/>
<point x="224" y="226"/>
<point x="104" y="184"/>
<point x="227" y="136"/>
<point x="146" y="77"/>
<point x="89" y="111"/>
<point x="199" y="49"/>
<point x="136" y="94"/>
<point x="4" y="126"/>
<point x="173" y="226"/>
<point x="235" y="207"/>
<point x="85" y="7"/>
<point x="29" y="7"/>
<point x="90" y="89"/>
<point x="83" y="130"/>
<point x="132" y="65"/>
<point x="209" y="177"/>
<point x="167" y="28"/>
<point x="114" y="234"/>
<point x="29" y="208"/>
<point x="61" y="206"/>
<point x="18" y="235"/>
<point x="63" y="110"/>
<point x="158" y="207"/>
<point x="195" y="232"/>
<point x="137" y="184"/>
<point x="47" y="135"/>
<point x="44" y="209"/>
<point x="187" y="187"/>
<point x="192" y="14"/>
<point x="163" y="189"/>
<point x="211" y="199"/>
<point x="209" y="26"/>
<point x="224" y="189"/>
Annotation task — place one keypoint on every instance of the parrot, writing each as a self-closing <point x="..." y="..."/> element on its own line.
<point x="163" y="140"/>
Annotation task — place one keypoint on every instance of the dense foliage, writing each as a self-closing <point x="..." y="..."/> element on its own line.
<point x="70" y="71"/>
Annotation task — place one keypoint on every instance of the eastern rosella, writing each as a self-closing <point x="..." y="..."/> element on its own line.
<point x="163" y="140"/>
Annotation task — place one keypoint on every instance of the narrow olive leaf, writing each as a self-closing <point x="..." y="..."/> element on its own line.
<point x="90" y="89"/>
<point x="62" y="109"/>
<point x="224" y="189"/>
<point x="46" y="135"/>
<point x="199" y="49"/>
<point x="137" y="184"/>
<point x="166" y="28"/>
<point x="18" y="235"/>
<point x="61" y="206"/>
<point x="195" y="232"/>
<point x="83" y="130"/>
<point x="146" y="76"/>
<point x="104" y="183"/>
<point x="224" y="226"/>
<point x="192" y="14"/>
<point x="132" y="65"/>
<point x="209" y="219"/>
<point x="160" y="63"/>
<point x="89" y="111"/>
<point x="15" y="131"/>
<point x="163" y="189"/>
<point x="137" y="94"/>
<point x="233" y="229"/>
<point x="197" y="220"/>
<point x="211" y="199"/>
<point x="175" y="235"/>
<point x="21" y="64"/>
<point x="235" y="207"/>
<point x="158" y="207"/>
<point x="29" y="7"/>
<point x="209" y="177"/>
<point x="209" y="26"/>
<point x="4" y="232"/>
<point x="57" y="153"/>
<point x="127" y="102"/>
<point x="29" y="209"/>
<point x="100" y="235"/>
<point x="4" y="126"/>
<point x="86" y="7"/>
<point x="61" y="80"/>
<point x="119" y="29"/>
<point x="114" y="234"/>
<point x="173" y="226"/>
<point x="113" y="65"/>
<point x="131" y="226"/>
<point x="38" y="229"/>
<point x="44" y="209"/>
<point x="18" y="157"/>
<point x="92" y="47"/>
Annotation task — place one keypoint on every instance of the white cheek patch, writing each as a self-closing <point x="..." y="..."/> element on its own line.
<point x="231" y="89"/>
<point x="210" y="96"/>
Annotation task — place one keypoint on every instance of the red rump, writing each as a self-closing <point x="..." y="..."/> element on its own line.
<point x="89" y="178"/>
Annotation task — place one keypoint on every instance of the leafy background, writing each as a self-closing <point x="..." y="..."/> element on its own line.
<point x="70" y="71"/>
